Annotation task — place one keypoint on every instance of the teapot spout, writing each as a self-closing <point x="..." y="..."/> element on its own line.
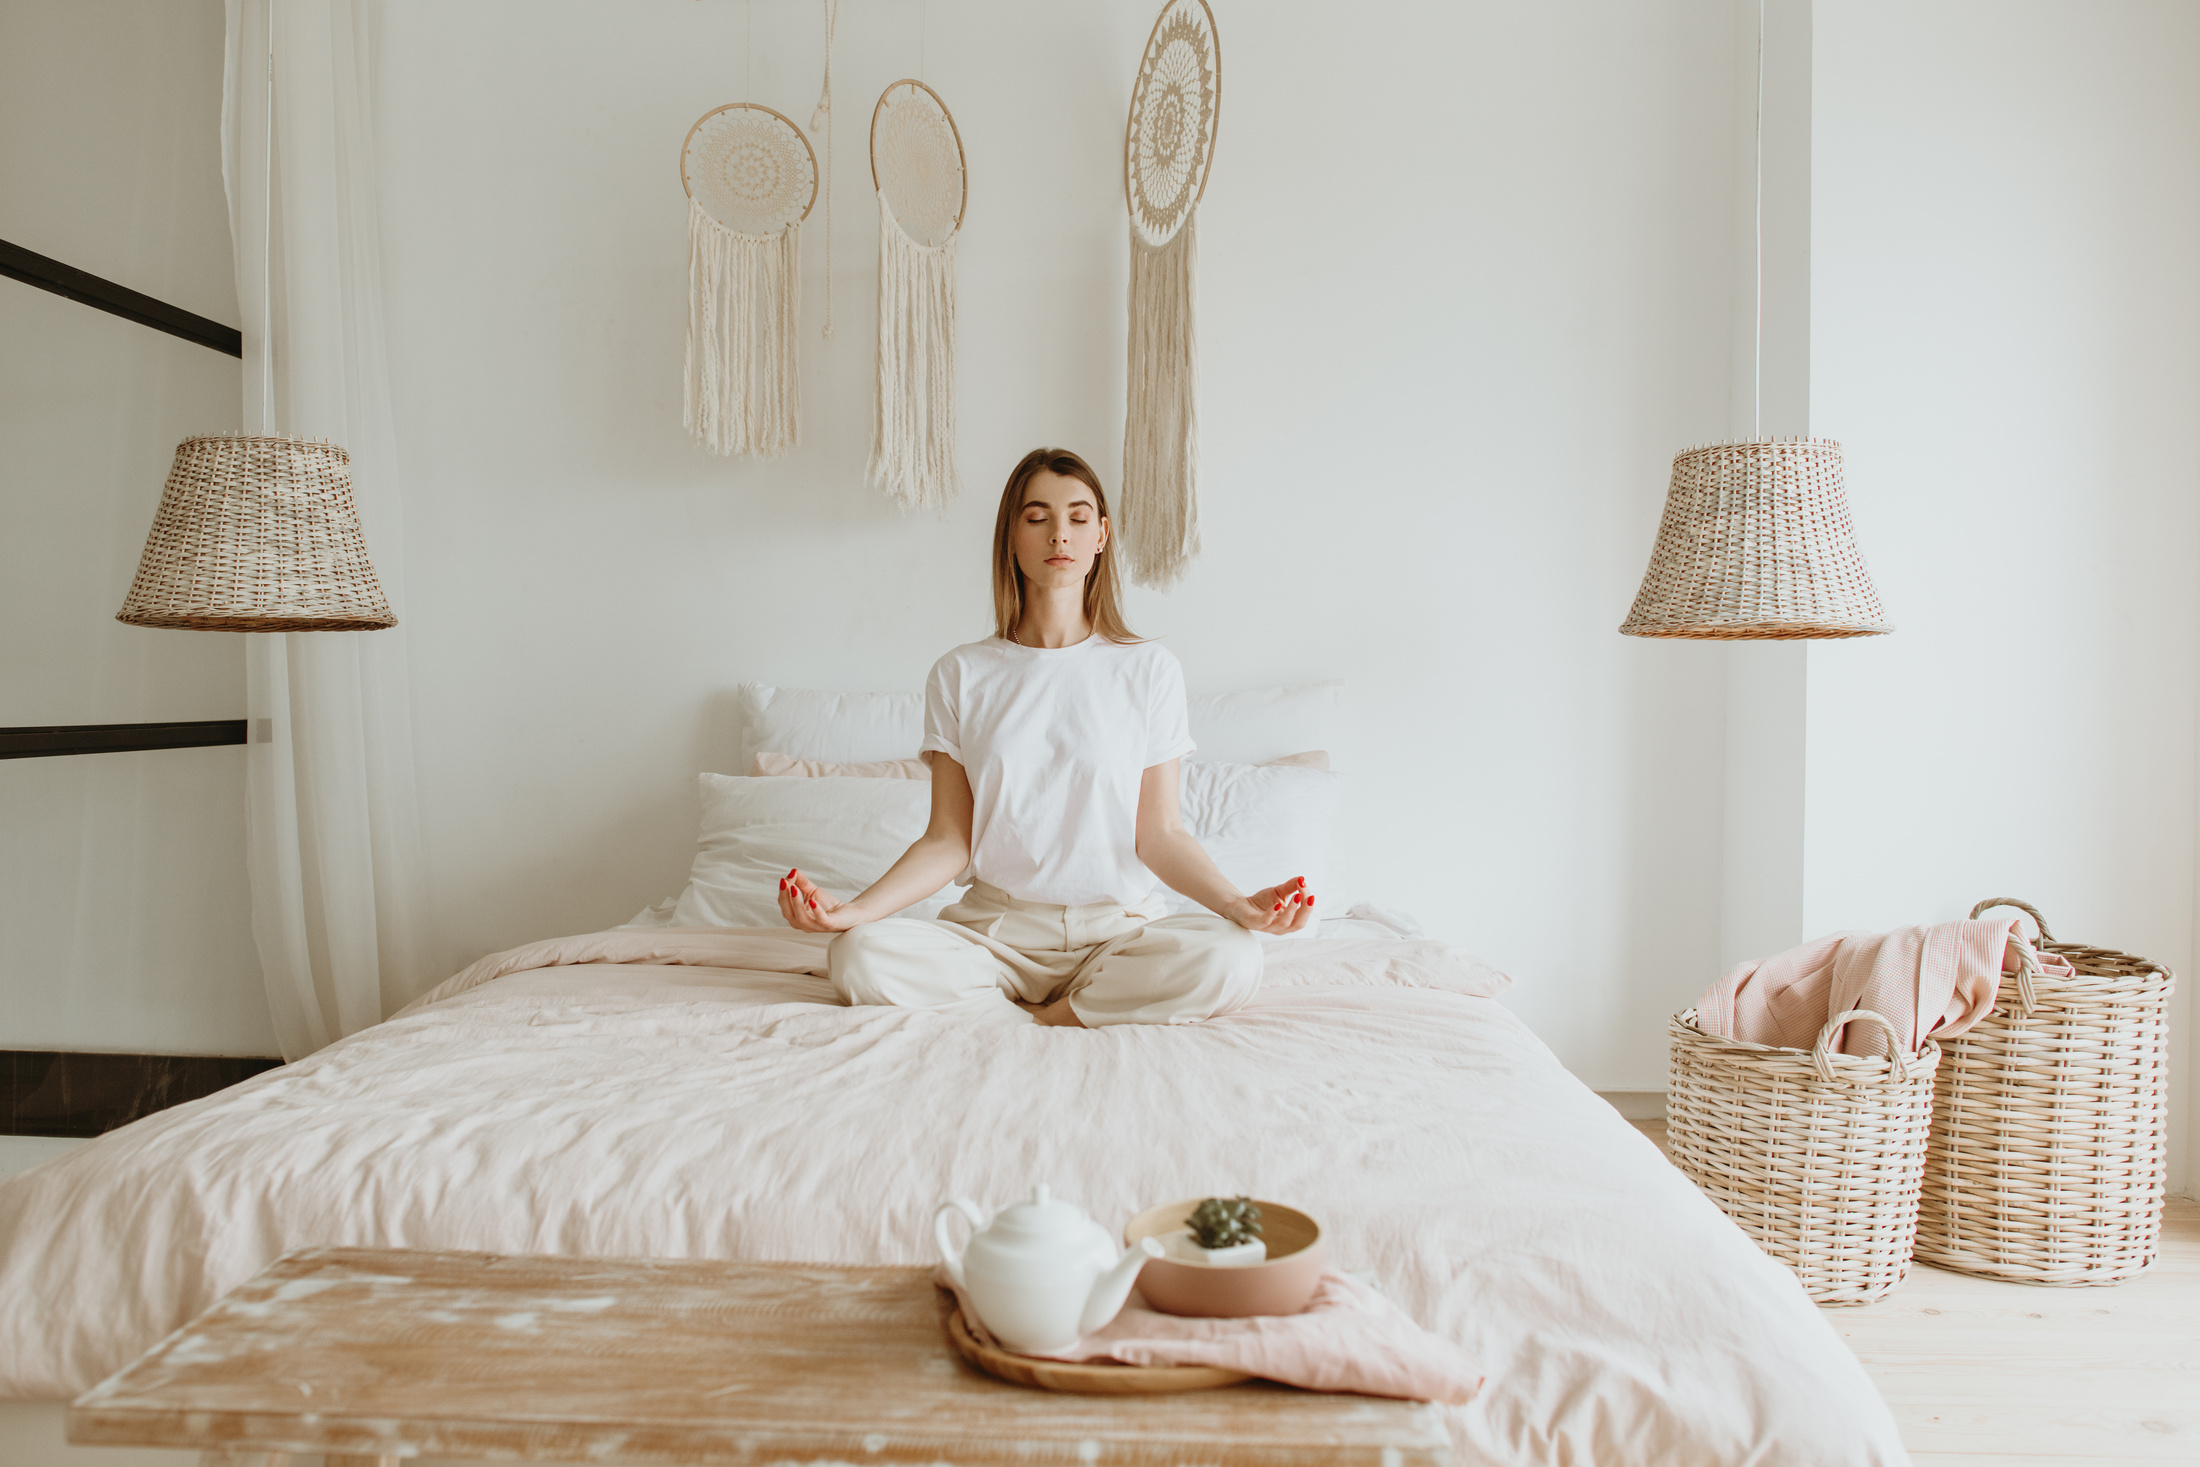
<point x="1114" y="1286"/>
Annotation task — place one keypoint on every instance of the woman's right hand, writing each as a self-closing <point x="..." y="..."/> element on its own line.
<point x="808" y="907"/>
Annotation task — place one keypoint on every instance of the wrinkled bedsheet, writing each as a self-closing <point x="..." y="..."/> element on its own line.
<point x="703" y="1095"/>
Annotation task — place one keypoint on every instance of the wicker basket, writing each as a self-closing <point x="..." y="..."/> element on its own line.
<point x="1818" y="1155"/>
<point x="2049" y="1153"/>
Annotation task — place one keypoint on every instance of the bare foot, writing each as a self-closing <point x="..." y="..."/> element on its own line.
<point x="1058" y="1014"/>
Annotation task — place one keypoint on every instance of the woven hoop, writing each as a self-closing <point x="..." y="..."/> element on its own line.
<point x="257" y="534"/>
<point x="1817" y="1155"/>
<point x="1756" y="543"/>
<point x="917" y="162"/>
<point x="1176" y="104"/>
<point x="2049" y="1155"/>
<point x="750" y="168"/>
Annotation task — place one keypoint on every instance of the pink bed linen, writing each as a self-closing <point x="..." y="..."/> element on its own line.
<point x="670" y="1106"/>
<point x="1926" y="981"/>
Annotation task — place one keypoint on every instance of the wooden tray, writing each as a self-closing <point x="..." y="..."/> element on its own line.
<point x="1088" y="1378"/>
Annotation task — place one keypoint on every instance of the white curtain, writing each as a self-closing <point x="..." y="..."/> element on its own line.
<point x="333" y="834"/>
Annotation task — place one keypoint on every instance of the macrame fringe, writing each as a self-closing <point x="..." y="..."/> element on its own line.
<point x="1160" y="508"/>
<point x="913" y="420"/>
<point x="743" y="379"/>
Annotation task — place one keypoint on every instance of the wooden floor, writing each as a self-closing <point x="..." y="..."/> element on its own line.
<point x="1985" y="1374"/>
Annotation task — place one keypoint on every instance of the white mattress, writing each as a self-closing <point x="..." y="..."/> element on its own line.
<point x="649" y="1108"/>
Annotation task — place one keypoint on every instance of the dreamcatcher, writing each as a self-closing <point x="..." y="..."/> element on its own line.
<point x="917" y="167"/>
<point x="1167" y="148"/>
<point x="750" y="178"/>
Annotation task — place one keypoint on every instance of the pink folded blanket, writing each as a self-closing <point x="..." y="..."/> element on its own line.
<point x="1350" y="1338"/>
<point x="1926" y="981"/>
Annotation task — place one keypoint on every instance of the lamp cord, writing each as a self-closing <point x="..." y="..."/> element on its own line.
<point x="267" y="244"/>
<point x="1757" y="203"/>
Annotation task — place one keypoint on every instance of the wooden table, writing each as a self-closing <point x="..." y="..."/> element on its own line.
<point x="369" y="1353"/>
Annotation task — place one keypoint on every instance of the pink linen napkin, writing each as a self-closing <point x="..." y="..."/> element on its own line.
<point x="1350" y="1338"/>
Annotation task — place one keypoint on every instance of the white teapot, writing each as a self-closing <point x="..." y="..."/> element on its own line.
<point x="1041" y="1275"/>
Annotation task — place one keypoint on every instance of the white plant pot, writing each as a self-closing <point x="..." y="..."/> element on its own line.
<point x="1184" y="1247"/>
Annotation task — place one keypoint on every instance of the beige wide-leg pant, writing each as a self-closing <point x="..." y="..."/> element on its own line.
<point x="1117" y="966"/>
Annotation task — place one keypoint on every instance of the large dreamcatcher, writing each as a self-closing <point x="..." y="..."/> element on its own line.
<point x="1168" y="146"/>
<point x="750" y="178"/>
<point x="917" y="168"/>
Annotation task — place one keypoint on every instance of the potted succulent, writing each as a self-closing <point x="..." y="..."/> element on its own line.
<point x="1222" y="1232"/>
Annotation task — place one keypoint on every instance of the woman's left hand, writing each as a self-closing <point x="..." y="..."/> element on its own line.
<point x="1275" y="910"/>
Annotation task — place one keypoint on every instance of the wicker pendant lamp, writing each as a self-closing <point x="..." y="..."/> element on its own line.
<point x="1756" y="542"/>
<point x="258" y="533"/>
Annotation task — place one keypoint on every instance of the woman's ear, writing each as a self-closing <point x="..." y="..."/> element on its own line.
<point x="1107" y="533"/>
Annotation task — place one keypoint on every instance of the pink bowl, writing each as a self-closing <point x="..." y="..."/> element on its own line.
<point x="1282" y="1285"/>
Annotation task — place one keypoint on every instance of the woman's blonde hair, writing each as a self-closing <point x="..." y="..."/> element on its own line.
<point x="1103" y="604"/>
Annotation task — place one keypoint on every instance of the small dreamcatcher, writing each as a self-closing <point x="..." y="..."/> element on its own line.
<point x="917" y="168"/>
<point x="1168" y="146"/>
<point x="751" y="179"/>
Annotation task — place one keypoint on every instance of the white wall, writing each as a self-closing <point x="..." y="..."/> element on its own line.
<point x="2005" y="334"/>
<point x="1457" y="317"/>
<point x="1465" y="287"/>
<point x="122" y="889"/>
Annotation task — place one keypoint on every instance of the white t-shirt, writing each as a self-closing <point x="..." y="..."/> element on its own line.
<point x="1055" y="741"/>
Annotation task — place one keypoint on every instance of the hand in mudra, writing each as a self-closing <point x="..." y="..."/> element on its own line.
<point x="1278" y="909"/>
<point x="808" y="907"/>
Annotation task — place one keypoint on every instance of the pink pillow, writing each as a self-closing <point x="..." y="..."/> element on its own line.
<point x="786" y="764"/>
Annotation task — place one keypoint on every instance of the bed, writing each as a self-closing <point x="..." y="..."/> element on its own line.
<point x="700" y="1093"/>
<point x="689" y="1086"/>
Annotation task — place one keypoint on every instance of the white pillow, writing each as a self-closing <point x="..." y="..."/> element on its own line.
<point x="1250" y="727"/>
<point x="841" y="728"/>
<point x="1261" y="724"/>
<point x="1263" y="824"/>
<point x="843" y="833"/>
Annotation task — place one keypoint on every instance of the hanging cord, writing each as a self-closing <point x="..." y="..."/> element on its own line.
<point x="922" y="15"/>
<point x="267" y="244"/>
<point x="822" y="118"/>
<point x="1757" y="202"/>
<point x="748" y="51"/>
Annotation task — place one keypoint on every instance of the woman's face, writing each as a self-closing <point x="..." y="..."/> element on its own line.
<point x="1059" y="532"/>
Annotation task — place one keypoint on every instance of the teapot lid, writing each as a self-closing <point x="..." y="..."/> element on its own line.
<point x="1041" y="1216"/>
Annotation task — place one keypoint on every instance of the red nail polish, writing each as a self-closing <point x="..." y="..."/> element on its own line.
<point x="1279" y="906"/>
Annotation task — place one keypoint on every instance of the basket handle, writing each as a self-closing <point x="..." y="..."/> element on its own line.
<point x="1821" y="1053"/>
<point x="2028" y="972"/>
<point x="2028" y="960"/>
<point x="2025" y="907"/>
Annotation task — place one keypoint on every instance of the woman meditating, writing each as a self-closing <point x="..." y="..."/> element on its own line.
<point x="1054" y="748"/>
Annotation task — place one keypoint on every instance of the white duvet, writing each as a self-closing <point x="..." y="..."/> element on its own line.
<point x="702" y="1095"/>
